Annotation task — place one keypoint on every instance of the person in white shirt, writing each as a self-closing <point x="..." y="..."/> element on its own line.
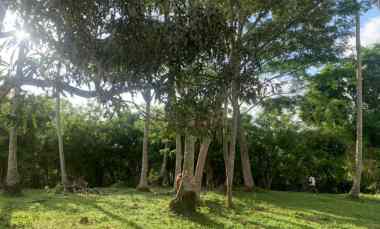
<point x="312" y="184"/>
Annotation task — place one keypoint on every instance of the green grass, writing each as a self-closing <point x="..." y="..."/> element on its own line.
<point x="126" y="208"/>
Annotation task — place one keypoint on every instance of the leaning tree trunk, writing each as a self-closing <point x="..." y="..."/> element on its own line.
<point x="58" y="124"/>
<point x="202" y="156"/>
<point x="12" y="184"/>
<point x="245" y="162"/>
<point x="186" y="197"/>
<point x="355" y="190"/>
<point x="143" y="184"/>
<point x="178" y="158"/>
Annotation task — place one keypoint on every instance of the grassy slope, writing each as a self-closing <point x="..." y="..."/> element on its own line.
<point x="126" y="208"/>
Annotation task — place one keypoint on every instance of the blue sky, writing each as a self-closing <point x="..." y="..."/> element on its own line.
<point x="371" y="27"/>
<point x="374" y="12"/>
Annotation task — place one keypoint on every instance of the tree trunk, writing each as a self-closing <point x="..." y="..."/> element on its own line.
<point x="178" y="158"/>
<point x="163" y="171"/>
<point x="12" y="184"/>
<point x="143" y="184"/>
<point x="245" y="162"/>
<point x="201" y="163"/>
<point x="186" y="199"/>
<point x="62" y="163"/>
<point x="188" y="160"/>
<point x="3" y="11"/>
<point x="209" y="176"/>
<point x="225" y="139"/>
<point x="233" y="140"/>
<point x="355" y="190"/>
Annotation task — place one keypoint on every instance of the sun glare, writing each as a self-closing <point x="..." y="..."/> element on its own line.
<point x="21" y="35"/>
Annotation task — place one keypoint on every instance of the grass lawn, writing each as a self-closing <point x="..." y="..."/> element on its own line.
<point x="126" y="208"/>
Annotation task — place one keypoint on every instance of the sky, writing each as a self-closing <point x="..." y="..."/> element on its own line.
<point x="370" y="34"/>
<point x="370" y="27"/>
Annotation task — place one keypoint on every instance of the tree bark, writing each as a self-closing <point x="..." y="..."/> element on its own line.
<point x="143" y="184"/>
<point x="12" y="184"/>
<point x="355" y="190"/>
<point x="186" y="199"/>
<point x="225" y="139"/>
<point x="245" y="162"/>
<point x="62" y="163"/>
<point x="233" y="140"/>
<point x="201" y="163"/>
<point x="178" y="158"/>
<point x="188" y="160"/>
<point x="209" y="175"/>
<point x="163" y="171"/>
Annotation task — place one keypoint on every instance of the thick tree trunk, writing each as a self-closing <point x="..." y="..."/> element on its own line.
<point x="188" y="160"/>
<point x="12" y="184"/>
<point x="355" y="190"/>
<point x="178" y="158"/>
<point x="143" y="184"/>
<point x="58" y="123"/>
<point x="245" y="162"/>
<point x="233" y="140"/>
<point x="186" y="198"/>
<point x="202" y="156"/>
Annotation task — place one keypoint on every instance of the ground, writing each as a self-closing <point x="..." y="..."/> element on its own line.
<point x="127" y="208"/>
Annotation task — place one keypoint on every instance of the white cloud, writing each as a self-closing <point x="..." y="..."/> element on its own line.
<point x="371" y="32"/>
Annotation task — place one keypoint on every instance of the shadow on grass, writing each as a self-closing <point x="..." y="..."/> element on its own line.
<point x="215" y="207"/>
<point x="114" y="216"/>
<point x="68" y="205"/>
<point x="6" y="215"/>
<point x="322" y="208"/>
<point x="201" y="219"/>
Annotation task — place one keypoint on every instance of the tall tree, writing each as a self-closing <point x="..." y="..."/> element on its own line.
<point x="355" y="190"/>
<point x="12" y="184"/>
<point x="143" y="184"/>
<point x="58" y="124"/>
<point x="271" y="40"/>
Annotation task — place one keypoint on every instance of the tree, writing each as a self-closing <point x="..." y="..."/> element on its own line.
<point x="143" y="184"/>
<point x="330" y="104"/>
<point x="274" y="40"/>
<point x="12" y="185"/>
<point x="62" y="162"/>
<point x="355" y="190"/>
